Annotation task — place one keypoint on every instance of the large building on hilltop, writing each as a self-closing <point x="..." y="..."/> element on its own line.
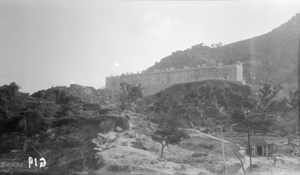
<point x="153" y="82"/>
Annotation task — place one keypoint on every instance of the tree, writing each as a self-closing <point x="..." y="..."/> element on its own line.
<point x="220" y="44"/>
<point x="288" y="125"/>
<point x="169" y="116"/>
<point x="202" y="100"/>
<point x="237" y="115"/>
<point x="267" y="103"/>
<point x="168" y="131"/>
<point x="163" y="103"/>
<point x="295" y="103"/>
<point x="289" y="119"/>
<point x="129" y="94"/>
<point x="267" y="96"/>
<point x="217" y="45"/>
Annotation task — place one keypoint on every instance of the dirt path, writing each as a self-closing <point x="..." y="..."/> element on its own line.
<point x="247" y="162"/>
<point x="197" y="133"/>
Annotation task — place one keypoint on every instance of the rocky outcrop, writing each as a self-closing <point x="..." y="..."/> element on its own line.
<point x="133" y="153"/>
<point x="77" y="135"/>
<point x="58" y="124"/>
<point x="114" y="123"/>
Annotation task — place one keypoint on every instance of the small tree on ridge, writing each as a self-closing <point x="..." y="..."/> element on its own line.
<point x="168" y="132"/>
<point x="129" y="94"/>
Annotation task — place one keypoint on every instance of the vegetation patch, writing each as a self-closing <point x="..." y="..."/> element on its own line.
<point x="207" y="146"/>
<point x="119" y="168"/>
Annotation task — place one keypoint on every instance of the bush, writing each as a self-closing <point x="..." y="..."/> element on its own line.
<point x="207" y="146"/>
<point x="199" y="154"/>
<point x="237" y="115"/>
<point x="139" y="144"/>
<point x="206" y="130"/>
<point x="119" y="168"/>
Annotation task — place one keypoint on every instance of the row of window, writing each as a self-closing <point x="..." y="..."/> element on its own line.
<point x="171" y="79"/>
<point x="199" y="71"/>
<point x="163" y="81"/>
<point x="204" y="73"/>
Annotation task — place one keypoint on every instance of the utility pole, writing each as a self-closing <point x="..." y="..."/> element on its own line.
<point x="249" y="145"/>
<point x="224" y="161"/>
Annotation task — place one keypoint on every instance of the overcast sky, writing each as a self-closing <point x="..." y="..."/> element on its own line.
<point x="56" y="43"/>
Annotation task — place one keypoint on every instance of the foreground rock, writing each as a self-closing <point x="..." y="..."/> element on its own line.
<point x="134" y="152"/>
<point x="57" y="124"/>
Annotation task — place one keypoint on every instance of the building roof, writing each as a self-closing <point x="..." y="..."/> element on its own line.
<point x="257" y="141"/>
<point x="178" y="70"/>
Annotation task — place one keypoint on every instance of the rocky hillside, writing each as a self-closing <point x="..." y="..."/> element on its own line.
<point x="79" y="130"/>
<point x="271" y="56"/>
<point x="57" y="124"/>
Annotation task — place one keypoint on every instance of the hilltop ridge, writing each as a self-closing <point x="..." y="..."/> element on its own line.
<point x="268" y="57"/>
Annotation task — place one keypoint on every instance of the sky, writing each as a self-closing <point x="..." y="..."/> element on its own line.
<point x="45" y="43"/>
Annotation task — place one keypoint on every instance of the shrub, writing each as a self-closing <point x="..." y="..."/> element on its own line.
<point x="139" y="144"/>
<point x="168" y="131"/>
<point x="119" y="168"/>
<point x="207" y="146"/>
<point x="237" y="115"/>
<point x="199" y="154"/>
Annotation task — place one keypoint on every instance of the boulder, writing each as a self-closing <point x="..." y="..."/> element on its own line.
<point x="114" y="123"/>
<point x="107" y="125"/>
<point x="145" y="143"/>
<point x="122" y="122"/>
<point x="118" y="129"/>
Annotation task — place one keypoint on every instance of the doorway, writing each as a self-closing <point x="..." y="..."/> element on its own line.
<point x="259" y="151"/>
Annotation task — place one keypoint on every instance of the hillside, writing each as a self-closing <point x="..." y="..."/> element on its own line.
<point x="232" y="91"/>
<point x="227" y="97"/>
<point x="80" y="130"/>
<point x="271" y="56"/>
<point x="77" y="131"/>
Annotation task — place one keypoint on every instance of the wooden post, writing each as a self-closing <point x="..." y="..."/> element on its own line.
<point x="224" y="161"/>
<point x="249" y="145"/>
